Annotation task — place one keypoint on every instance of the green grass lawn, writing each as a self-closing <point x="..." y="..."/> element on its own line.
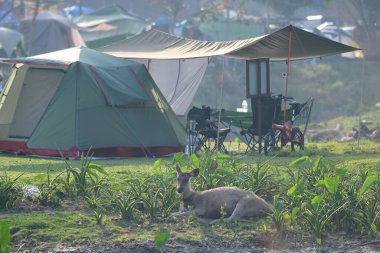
<point x="73" y="222"/>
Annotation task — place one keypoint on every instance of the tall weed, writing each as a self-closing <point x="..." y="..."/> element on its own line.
<point x="86" y="178"/>
<point x="9" y="191"/>
<point x="49" y="189"/>
<point x="5" y="236"/>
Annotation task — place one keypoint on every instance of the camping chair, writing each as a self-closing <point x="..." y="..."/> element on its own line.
<point x="270" y="113"/>
<point x="203" y="134"/>
<point x="247" y="123"/>
<point x="239" y="123"/>
<point x="302" y="117"/>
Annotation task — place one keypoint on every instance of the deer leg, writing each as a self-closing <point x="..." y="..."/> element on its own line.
<point x="247" y="207"/>
<point x="189" y="212"/>
<point x="236" y="214"/>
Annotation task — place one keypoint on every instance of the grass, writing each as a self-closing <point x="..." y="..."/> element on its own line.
<point x="371" y="119"/>
<point x="74" y="224"/>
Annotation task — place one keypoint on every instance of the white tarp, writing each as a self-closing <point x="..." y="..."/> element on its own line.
<point x="177" y="79"/>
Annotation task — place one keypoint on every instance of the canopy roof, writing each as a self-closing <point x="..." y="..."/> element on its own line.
<point x="155" y="44"/>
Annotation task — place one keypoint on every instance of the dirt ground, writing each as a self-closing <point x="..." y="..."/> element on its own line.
<point x="259" y="244"/>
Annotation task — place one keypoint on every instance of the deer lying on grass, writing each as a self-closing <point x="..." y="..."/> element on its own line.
<point x="235" y="202"/>
<point x="328" y="134"/>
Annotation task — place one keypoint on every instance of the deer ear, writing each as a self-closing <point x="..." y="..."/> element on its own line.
<point x="194" y="173"/>
<point x="178" y="169"/>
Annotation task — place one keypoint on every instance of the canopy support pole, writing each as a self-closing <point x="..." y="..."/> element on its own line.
<point x="220" y="103"/>
<point x="361" y="99"/>
<point x="287" y="73"/>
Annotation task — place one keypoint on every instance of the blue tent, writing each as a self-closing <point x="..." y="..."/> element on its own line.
<point x="7" y="17"/>
<point x="75" y="11"/>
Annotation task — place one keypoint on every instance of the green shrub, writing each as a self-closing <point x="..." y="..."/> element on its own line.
<point x="49" y="189"/>
<point x="125" y="204"/>
<point x="86" y="178"/>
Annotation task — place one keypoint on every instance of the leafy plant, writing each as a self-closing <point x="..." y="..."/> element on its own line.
<point x="5" y="236"/>
<point x="92" y="200"/>
<point x="151" y="200"/>
<point x="86" y="176"/>
<point x="368" y="208"/>
<point x="167" y="195"/>
<point x="137" y="187"/>
<point x="367" y="215"/>
<point x="125" y="204"/>
<point x="317" y="214"/>
<point x="256" y="178"/>
<point x="161" y="238"/>
<point x="156" y="193"/>
<point x="48" y="190"/>
<point x="209" y="179"/>
<point x="99" y="215"/>
<point x="309" y="170"/>
<point x="279" y="215"/>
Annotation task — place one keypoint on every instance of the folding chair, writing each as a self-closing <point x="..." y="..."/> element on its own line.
<point x="270" y="113"/>
<point x="203" y="134"/>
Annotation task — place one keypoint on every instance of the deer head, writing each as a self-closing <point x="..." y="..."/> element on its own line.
<point x="183" y="179"/>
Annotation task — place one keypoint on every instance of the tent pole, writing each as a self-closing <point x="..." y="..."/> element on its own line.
<point x="287" y="73"/>
<point x="361" y="99"/>
<point x="220" y="103"/>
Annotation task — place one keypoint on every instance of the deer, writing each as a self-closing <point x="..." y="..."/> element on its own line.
<point x="328" y="134"/>
<point x="232" y="202"/>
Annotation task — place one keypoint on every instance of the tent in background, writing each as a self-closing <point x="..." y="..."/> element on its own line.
<point x="220" y="27"/>
<point x="161" y="51"/>
<point x="7" y="17"/>
<point x="77" y="99"/>
<point x="109" y="24"/>
<point x="74" y="11"/>
<point x="49" y="33"/>
<point x="11" y="42"/>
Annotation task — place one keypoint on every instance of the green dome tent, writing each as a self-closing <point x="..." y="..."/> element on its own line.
<point x="73" y="100"/>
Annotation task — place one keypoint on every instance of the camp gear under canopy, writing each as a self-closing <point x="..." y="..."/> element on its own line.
<point x="77" y="99"/>
<point x="178" y="64"/>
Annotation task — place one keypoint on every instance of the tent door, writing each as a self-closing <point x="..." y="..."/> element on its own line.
<point x="38" y="89"/>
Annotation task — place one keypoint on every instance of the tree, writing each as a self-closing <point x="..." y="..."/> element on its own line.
<point x="285" y="8"/>
<point x="364" y="14"/>
<point x="173" y="8"/>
